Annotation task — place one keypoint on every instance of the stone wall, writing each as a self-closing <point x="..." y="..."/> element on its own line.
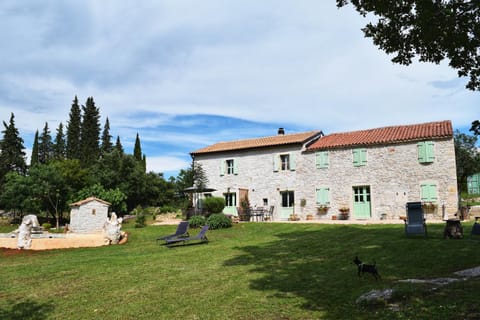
<point x="255" y="173"/>
<point x="89" y="217"/>
<point x="393" y="174"/>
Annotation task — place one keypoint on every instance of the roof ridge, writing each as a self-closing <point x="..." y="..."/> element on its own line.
<point x="266" y="141"/>
<point x="394" y="126"/>
<point x="388" y="134"/>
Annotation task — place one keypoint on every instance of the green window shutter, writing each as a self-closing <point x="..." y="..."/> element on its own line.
<point x="318" y="160"/>
<point x="430" y="155"/>
<point x="323" y="196"/>
<point x="321" y="159"/>
<point x="426" y="151"/>
<point x="359" y="157"/>
<point x="293" y="164"/>
<point x="235" y="166"/>
<point x="318" y="196"/>
<point x="355" y="157"/>
<point x="429" y="192"/>
<point x="363" y="157"/>
<point x="276" y="162"/>
<point x="223" y="165"/>
<point x="421" y="152"/>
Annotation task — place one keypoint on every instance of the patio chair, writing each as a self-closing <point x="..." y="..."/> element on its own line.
<point x="200" y="236"/>
<point x="415" y="221"/>
<point x="476" y="227"/>
<point x="182" y="231"/>
<point x="269" y="214"/>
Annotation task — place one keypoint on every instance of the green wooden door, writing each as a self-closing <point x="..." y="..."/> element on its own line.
<point x="361" y="202"/>
<point x="287" y="207"/>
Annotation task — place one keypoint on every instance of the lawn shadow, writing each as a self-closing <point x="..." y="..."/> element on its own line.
<point x="181" y="244"/>
<point x="26" y="310"/>
<point x="316" y="263"/>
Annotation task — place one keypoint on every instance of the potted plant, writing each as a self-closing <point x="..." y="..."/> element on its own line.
<point x="429" y="206"/>
<point x="322" y="209"/>
<point x="344" y="212"/>
<point x="294" y="217"/>
<point x="309" y="216"/>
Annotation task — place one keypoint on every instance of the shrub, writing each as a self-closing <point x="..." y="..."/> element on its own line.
<point x="167" y="209"/>
<point x="46" y="226"/>
<point x="196" y="221"/>
<point x="140" y="221"/>
<point x="137" y="211"/>
<point x="219" y="221"/>
<point x="214" y="204"/>
<point x="4" y="221"/>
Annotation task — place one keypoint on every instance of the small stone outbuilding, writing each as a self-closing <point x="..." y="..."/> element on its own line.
<point x="88" y="215"/>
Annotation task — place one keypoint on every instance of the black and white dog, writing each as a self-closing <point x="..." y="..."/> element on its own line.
<point x="366" y="268"/>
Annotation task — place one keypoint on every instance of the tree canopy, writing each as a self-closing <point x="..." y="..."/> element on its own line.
<point x="430" y="30"/>
<point x="90" y="133"/>
<point x="60" y="173"/>
<point x="12" y="155"/>
<point x="73" y="131"/>
<point x="45" y="145"/>
<point x="59" y="145"/>
<point x="107" y="145"/>
<point x="34" y="157"/>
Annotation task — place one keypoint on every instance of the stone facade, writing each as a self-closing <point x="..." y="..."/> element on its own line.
<point x="391" y="176"/>
<point x="88" y="216"/>
<point x="255" y="173"/>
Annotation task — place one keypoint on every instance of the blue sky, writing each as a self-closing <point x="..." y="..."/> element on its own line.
<point x="186" y="74"/>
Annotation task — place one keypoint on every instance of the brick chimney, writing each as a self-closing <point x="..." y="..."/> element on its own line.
<point x="281" y="131"/>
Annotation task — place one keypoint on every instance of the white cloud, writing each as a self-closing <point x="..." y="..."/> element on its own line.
<point x="300" y="64"/>
<point x="166" y="164"/>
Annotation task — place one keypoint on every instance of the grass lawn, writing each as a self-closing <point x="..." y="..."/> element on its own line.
<point x="250" y="271"/>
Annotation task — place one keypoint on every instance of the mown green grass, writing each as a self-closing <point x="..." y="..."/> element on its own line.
<point x="250" y="271"/>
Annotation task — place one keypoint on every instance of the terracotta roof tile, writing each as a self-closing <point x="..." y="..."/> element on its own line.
<point x="87" y="200"/>
<point x="286" y="139"/>
<point x="386" y="135"/>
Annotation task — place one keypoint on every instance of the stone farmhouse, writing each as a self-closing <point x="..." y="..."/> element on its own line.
<point x="372" y="173"/>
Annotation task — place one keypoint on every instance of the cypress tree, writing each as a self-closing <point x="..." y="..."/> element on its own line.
<point x="59" y="147"/>
<point x="137" y="150"/>
<point x="34" y="157"/>
<point x="73" y="131"/>
<point x="90" y="133"/>
<point x="118" y="146"/>
<point x="45" y="145"/>
<point x="137" y="154"/>
<point x="12" y="156"/>
<point x="107" y="146"/>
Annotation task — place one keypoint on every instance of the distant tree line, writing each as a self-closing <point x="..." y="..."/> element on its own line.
<point x="81" y="161"/>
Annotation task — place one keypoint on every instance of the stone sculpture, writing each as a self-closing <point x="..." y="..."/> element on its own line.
<point x="111" y="229"/>
<point x="25" y="231"/>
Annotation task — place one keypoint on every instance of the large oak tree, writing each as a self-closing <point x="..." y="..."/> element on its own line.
<point x="431" y="30"/>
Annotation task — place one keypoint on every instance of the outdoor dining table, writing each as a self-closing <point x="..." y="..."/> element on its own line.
<point x="257" y="214"/>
